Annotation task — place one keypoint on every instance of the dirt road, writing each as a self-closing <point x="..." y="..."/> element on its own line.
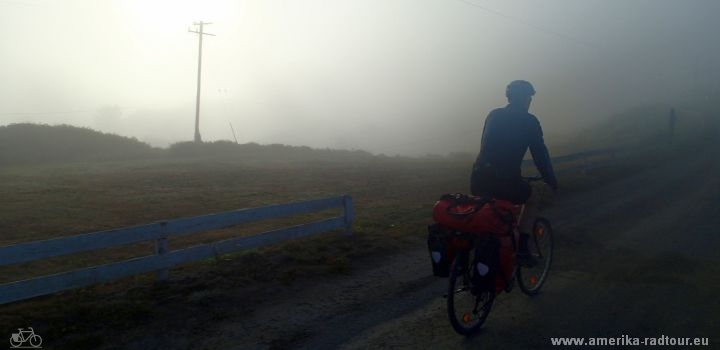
<point x="638" y="258"/>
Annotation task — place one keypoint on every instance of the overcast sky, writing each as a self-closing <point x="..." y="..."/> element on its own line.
<point x="392" y="76"/>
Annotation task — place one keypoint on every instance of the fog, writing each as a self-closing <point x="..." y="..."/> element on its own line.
<point x="387" y="76"/>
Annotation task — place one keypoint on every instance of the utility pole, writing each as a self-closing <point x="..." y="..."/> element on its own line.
<point x="200" y="33"/>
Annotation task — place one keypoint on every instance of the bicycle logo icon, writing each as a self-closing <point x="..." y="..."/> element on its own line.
<point x="22" y="339"/>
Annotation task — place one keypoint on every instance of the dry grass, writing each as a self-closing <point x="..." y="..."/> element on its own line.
<point x="393" y="199"/>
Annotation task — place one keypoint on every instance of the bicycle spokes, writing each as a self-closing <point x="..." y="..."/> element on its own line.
<point x="539" y="242"/>
<point x="533" y="280"/>
<point x="467" y="306"/>
<point x="541" y="247"/>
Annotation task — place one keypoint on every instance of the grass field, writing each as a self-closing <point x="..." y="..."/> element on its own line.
<point x="47" y="192"/>
<point x="393" y="199"/>
<point x="45" y="202"/>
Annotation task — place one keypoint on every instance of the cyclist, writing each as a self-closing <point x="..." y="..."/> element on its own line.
<point x="507" y="135"/>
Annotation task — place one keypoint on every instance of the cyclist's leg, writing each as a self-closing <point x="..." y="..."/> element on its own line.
<point x="525" y="223"/>
<point x="524" y="195"/>
<point x="527" y="217"/>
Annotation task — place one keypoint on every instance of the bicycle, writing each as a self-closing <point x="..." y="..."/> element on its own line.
<point x="19" y="338"/>
<point x="469" y="305"/>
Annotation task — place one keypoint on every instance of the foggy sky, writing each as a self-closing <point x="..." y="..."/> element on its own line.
<point x="391" y="76"/>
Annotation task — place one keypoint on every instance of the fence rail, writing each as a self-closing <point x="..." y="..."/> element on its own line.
<point x="160" y="232"/>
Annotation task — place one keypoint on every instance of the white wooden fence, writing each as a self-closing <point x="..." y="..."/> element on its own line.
<point x="160" y="232"/>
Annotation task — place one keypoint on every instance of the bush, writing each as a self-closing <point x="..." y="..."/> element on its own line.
<point x="39" y="143"/>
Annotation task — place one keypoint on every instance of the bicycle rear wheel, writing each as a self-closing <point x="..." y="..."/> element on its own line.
<point x="467" y="309"/>
<point x="540" y="245"/>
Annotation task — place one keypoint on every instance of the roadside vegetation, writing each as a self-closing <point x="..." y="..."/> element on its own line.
<point x="53" y="190"/>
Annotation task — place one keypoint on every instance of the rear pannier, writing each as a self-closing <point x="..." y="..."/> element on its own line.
<point x="442" y="245"/>
<point x="473" y="214"/>
<point x="491" y="220"/>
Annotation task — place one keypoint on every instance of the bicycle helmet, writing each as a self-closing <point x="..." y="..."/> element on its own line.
<point x="519" y="88"/>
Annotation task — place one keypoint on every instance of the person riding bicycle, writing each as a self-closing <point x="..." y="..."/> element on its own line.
<point x="507" y="135"/>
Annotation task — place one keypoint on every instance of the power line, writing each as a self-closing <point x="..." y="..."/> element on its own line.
<point x="527" y="24"/>
<point x="641" y="67"/>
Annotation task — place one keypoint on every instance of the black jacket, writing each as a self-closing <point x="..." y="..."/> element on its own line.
<point x="507" y="135"/>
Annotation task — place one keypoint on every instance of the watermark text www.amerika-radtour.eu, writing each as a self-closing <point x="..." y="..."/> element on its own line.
<point x="630" y="341"/>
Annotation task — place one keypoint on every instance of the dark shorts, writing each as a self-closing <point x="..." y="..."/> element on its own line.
<point x="512" y="189"/>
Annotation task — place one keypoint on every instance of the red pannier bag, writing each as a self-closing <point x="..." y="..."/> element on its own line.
<point x="482" y="216"/>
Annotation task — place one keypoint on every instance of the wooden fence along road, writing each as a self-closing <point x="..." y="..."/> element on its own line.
<point x="160" y="232"/>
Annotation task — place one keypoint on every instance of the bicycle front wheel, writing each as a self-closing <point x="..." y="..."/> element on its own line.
<point x="540" y="245"/>
<point x="467" y="308"/>
<point x="35" y="341"/>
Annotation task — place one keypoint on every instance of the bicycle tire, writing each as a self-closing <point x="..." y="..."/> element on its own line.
<point x="35" y="341"/>
<point x="541" y="246"/>
<point x="471" y="318"/>
<point x="15" y="344"/>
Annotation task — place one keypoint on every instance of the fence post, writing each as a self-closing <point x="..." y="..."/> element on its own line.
<point x="161" y="248"/>
<point x="349" y="214"/>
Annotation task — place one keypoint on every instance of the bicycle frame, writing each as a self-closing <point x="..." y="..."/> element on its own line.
<point x="20" y="336"/>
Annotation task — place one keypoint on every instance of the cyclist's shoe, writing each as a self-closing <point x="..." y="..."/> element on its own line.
<point x="524" y="258"/>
